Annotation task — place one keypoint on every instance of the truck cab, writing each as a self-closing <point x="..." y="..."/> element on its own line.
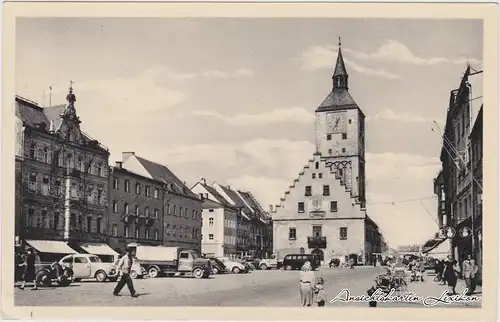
<point x="269" y="263"/>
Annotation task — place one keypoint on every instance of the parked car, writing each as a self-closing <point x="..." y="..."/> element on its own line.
<point x="233" y="266"/>
<point x="218" y="266"/>
<point x="334" y="262"/>
<point x="296" y="261"/>
<point x="88" y="266"/>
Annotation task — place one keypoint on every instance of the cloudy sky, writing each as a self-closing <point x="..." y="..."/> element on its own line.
<point x="233" y="100"/>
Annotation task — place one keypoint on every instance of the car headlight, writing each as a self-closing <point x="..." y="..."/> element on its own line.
<point x="112" y="271"/>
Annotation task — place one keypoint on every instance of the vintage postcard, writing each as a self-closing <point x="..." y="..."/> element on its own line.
<point x="250" y="161"/>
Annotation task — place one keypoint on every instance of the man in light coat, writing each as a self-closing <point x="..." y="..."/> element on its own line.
<point x="124" y="266"/>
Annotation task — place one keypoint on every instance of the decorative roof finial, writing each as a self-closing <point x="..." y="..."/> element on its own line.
<point x="340" y="42"/>
<point x="71" y="98"/>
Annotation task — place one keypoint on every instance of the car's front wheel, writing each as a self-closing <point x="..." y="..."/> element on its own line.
<point x="215" y="270"/>
<point x="263" y="267"/>
<point x="198" y="273"/>
<point x="236" y="270"/>
<point x="133" y="274"/>
<point x="101" y="277"/>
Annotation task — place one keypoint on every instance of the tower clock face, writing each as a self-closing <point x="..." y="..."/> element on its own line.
<point x="336" y="123"/>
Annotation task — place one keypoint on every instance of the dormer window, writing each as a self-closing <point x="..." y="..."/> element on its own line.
<point x="32" y="151"/>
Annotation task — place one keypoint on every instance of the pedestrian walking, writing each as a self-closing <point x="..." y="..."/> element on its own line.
<point x="320" y="293"/>
<point x="124" y="267"/>
<point x="307" y="281"/>
<point x="450" y="274"/>
<point x="351" y="263"/>
<point x="469" y="269"/>
<point x="29" y="269"/>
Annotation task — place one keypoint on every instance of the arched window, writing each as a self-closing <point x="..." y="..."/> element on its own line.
<point x="99" y="169"/>
<point x="81" y="165"/>
<point x="70" y="162"/>
<point x="146" y="211"/>
<point x="146" y="234"/>
<point x="156" y="234"/>
<point x="45" y="155"/>
<point x="126" y="208"/>
<point x="127" y="185"/>
<point x="137" y="232"/>
<point x="317" y="165"/>
<point x="137" y="212"/>
<point x="138" y="188"/>
<point x="115" y="206"/>
<point x="99" y="225"/>
<point x="32" y="151"/>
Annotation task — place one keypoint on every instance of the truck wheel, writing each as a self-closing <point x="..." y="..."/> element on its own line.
<point x="100" y="276"/>
<point x="133" y="274"/>
<point x="198" y="273"/>
<point x="153" y="272"/>
<point x="263" y="267"/>
<point x="236" y="270"/>
<point x="288" y="268"/>
<point x="215" y="270"/>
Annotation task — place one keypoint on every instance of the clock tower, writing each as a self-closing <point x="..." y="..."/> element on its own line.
<point x="340" y="133"/>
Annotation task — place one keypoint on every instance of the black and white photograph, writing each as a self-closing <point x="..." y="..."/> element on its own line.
<point x="300" y="162"/>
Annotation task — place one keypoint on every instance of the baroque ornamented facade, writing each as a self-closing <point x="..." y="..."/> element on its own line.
<point x="61" y="179"/>
<point x="324" y="212"/>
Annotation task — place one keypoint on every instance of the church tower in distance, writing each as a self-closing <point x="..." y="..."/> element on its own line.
<point x="340" y="133"/>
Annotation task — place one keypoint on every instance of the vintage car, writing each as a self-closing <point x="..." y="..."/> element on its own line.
<point x="88" y="266"/>
<point x="233" y="266"/>
<point x="218" y="266"/>
<point x="46" y="274"/>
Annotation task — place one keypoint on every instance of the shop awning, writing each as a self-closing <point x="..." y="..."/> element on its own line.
<point x="263" y="221"/>
<point x="98" y="249"/>
<point x="51" y="246"/>
<point x="442" y="249"/>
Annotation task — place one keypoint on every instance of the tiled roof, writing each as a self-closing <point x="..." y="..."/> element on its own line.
<point x="248" y="198"/>
<point x="30" y="113"/>
<point x="162" y="173"/>
<point x="338" y="99"/>
<point x="217" y="195"/>
<point x="234" y="197"/>
<point x="53" y="114"/>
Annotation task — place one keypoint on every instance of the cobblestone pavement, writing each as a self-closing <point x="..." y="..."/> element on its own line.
<point x="258" y="288"/>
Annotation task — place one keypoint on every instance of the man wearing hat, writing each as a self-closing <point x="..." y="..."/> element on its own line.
<point x="124" y="266"/>
<point x="29" y="269"/>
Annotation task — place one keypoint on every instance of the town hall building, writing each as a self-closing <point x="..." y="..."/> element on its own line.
<point x="324" y="210"/>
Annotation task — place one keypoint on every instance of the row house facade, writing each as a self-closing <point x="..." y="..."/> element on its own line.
<point x="151" y="205"/>
<point x="457" y="184"/>
<point x="238" y="226"/>
<point x="324" y="212"/>
<point x="61" y="179"/>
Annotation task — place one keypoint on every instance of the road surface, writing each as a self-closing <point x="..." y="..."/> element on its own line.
<point x="257" y="288"/>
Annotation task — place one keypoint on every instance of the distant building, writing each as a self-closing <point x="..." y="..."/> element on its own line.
<point x="136" y="209"/>
<point x="324" y="212"/>
<point x="172" y="207"/>
<point x="61" y="180"/>
<point x="237" y="225"/>
<point x="219" y="231"/>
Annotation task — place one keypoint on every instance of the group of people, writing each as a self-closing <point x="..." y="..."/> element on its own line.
<point x="312" y="289"/>
<point x="417" y="268"/>
<point x="448" y="270"/>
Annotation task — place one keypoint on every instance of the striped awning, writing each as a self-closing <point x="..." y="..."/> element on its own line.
<point x="51" y="246"/>
<point x="98" y="249"/>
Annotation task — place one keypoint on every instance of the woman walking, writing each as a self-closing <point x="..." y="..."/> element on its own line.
<point x="29" y="269"/>
<point x="307" y="282"/>
<point x="450" y="274"/>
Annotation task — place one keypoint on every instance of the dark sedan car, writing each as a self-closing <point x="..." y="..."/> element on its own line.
<point x="218" y="266"/>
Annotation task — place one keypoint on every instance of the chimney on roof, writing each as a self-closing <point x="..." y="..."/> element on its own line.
<point x="228" y="187"/>
<point x="119" y="164"/>
<point x="204" y="181"/>
<point x="126" y="155"/>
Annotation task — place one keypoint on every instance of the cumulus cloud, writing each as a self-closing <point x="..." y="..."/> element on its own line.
<point x="284" y="115"/>
<point x="389" y="114"/>
<point x="383" y="166"/>
<point x="162" y="73"/>
<point x="395" y="51"/>
<point x="319" y="57"/>
<point x="267" y="190"/>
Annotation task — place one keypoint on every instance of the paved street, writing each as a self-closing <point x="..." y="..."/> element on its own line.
<point x="258" y="288"/>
